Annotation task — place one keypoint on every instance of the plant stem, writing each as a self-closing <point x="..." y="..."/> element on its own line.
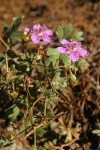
<point x="45" y="107"/>
<point x="6" y="58"/>
<point x="35" y="146"/>
<point x="8" y="48"/>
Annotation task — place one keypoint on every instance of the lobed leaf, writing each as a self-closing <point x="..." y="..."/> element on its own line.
<point x="67" y="31"/>
<point x="12" y="32"/>
<point x="77" y="36"/>
<point x="53" y="56"/>
<point x="12" y="112"/>
<point x="65" y="59"/>
<point x="59" y="32"/>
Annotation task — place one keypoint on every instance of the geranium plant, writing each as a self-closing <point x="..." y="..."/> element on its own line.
<point x="34" y="84"/>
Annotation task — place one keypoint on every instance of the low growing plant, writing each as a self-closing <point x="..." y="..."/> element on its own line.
<point x="33" y="84"/>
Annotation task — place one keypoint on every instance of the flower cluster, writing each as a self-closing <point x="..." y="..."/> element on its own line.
<point x="73" y="48"/>
<point x="38" y="33"/>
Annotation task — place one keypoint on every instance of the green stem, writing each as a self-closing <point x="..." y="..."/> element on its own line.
<point x="8" y="48"/>
<point x="6" y="57"/>
<point x="35" y="146"/>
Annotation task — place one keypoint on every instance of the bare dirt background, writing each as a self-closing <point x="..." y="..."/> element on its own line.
<point x="84" y="16"/>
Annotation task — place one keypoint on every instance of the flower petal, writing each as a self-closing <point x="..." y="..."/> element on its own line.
<point x="61" y="50"/>
<point x="35" y="38"/>
<point x="83" y="52"/>
<point x="37" y="27"/>
<point x="26" y="31"/>
<point x="48" y="32"/>
<point x="74" y="56"/>
<point x="46" y="39"/>
<point x="64" y="42"/>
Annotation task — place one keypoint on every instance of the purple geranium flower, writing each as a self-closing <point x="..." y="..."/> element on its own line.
<point x="72" y="48"/>
<point x="39" y="32"/>
<point x="26" y="31"/>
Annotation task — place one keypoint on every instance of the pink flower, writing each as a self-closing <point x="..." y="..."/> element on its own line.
<point x="39" y="32"/>
<point x="26" y="31"/>
<point x="72" y="48"/>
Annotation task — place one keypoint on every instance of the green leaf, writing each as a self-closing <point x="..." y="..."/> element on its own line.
<point x="40" y="130"/>
<point x="67" y="31"/>
<point x="52" y="51"/>
<point x="4" y="142"/>
<point x="40" y="67"/>
<point x="16" y="23"/>
<point x="59" y="32"/>
<point x="41" y="148"/>
<point x="84" y="65"/>
<point x="52" y="99"/>
<point x="49" y="113"/>
<point x="16" y="36"/>
<point x="5" y="28"/>
<point x="52" y="59"/>
<point x="65" y="59"/>
<point x="54" y="141"/>
<point x="12" y="112"/>
<point x="77" y="64"/>
<point x="53" y="56"/>
<point x="77" y="36"/>
<point x="10" y="32"/>
<point x="59" y="82"/>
